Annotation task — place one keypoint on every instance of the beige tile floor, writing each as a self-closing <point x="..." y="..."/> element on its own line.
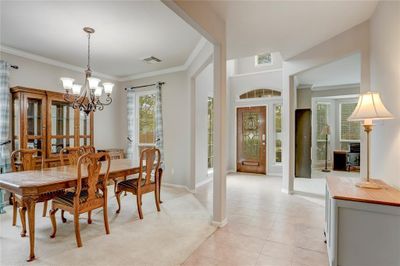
<point x="266" y="226"/>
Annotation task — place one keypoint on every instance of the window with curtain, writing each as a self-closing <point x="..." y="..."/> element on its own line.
<point x="210" y="132"/>
<point x="146" y="112"/>
<point x="322" y="120"/>
<point x="278" y="133"/>
<point x="349" y="130"/>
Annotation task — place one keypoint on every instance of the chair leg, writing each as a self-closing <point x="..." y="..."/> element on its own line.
<point x="22" y="214"/>
<point x="117" y="195"/>
<point x="63" y="219"/>
<point x="105" y="213"/>
<point x="15" y="207"/>
<point x="139" y="205"/>
<point x="52" y="214"/>
<point x="89" y="220"/>
<point x="157" y="198"/>
<point x="44" y="209"/>
<point x="125" y="191"/>
<point x="77" y="230"/>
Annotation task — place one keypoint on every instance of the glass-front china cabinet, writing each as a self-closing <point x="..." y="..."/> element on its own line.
<point x="44" y="120"/>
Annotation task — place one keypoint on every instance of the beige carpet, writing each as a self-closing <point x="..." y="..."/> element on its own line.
<point x="164" y="238"/>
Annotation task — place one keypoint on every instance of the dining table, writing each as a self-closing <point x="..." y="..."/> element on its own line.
<point x="38" y="185"/>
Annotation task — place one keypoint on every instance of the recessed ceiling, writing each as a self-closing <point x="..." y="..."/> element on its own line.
<point x="340" y="72"/>
<point x="289" y="27"/>
<point x="126" y="32"/>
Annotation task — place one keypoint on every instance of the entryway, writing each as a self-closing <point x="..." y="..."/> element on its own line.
<point x="251" y="139"/>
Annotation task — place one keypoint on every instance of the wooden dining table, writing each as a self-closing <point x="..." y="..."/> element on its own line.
<point x="36" y="185"/>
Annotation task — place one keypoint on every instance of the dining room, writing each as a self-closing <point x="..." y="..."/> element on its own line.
<point x="95" y="134"/>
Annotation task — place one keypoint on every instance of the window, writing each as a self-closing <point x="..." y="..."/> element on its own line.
<point x="260" y="93"/>
<point x="322" y="121"/>
<point x="278" y="133"/>
<point x="263" y="59"/>
<point x="349" y="130"/>
<point x="210" y="131"/>
<point x="146" y="110"/>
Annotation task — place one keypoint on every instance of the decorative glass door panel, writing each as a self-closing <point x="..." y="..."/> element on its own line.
<point x="16" y="130"/>
<point x="251" y="139"/>
<point x="34" y="131"/>
<point x="85" y="129"/>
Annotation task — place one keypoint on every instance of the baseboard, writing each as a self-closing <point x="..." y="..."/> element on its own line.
<point x="284" y="190"/>
<point x="220" y="224"/>
<point x="177" y="186"/>
<point x="208" y="180"/>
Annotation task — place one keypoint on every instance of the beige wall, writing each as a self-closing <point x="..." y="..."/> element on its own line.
<point x="385" y="78"/>
<point x="176" y="122"/>
<point x="39" y="75"/>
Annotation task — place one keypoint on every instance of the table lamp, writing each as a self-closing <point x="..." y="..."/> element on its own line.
<point x="369" y="108"/>
<point x="326" y="131"/>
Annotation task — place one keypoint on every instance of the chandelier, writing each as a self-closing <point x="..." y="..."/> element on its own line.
<point x="86" y="98"/>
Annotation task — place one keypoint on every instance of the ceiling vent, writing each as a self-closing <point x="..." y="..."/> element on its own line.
<point x="151" y="60"/>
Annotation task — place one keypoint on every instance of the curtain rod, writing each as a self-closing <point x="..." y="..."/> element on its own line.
<point x="14" y="66"/>
<point x="144" y="86"/>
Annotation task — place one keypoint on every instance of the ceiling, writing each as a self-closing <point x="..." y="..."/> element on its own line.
<point x="126" y="32"/>
<point x="340" y="72"/>
<point x="289" y="27"/>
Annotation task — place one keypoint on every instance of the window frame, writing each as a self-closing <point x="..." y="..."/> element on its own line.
<point x="137" y="117"/>
<point x="340" y="124"/>
<point x="256" y="64"/>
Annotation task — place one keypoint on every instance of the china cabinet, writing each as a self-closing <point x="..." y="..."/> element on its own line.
<point x="44" y="120"/>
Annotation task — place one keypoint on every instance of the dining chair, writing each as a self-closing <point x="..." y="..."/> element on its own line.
<point x="147" y="181"/>
<point x="25" y="160"/>
<point x="70" y="155"/>
<point x="88" y="148"/>
<point x="90" y="192"/>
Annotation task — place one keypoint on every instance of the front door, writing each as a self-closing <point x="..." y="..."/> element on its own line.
<point x="251" y="139"/>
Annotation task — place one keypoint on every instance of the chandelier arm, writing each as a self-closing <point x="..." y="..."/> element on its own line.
<point x="108" y="101"/>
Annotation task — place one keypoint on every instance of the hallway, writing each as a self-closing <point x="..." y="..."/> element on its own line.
<point x="266" y="226"/>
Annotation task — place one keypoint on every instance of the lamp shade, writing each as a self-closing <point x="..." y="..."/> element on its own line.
<point x="370" y="107"/>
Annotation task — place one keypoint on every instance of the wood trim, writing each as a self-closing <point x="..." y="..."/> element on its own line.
<point x="344" y="188"/>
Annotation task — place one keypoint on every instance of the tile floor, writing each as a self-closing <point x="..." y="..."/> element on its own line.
<point x="266" y="226"/>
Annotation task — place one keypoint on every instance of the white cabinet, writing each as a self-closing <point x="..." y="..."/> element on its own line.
<point x="361" y="229"/>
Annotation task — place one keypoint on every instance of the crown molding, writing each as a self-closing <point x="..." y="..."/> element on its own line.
<point x="196" y="51"/>
<point x="200" y="45"/>
<point x="52" y="62"/>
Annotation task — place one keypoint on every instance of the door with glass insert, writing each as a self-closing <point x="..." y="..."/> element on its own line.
<point x="34" y="127"/>
<point x="251" y="139"/>
<point x="61" y="125"/>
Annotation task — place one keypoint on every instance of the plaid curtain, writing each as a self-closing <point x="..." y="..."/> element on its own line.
<point x="132" y="147"/>
<point x="159" y="123"/>
<point x="4" y="123"/>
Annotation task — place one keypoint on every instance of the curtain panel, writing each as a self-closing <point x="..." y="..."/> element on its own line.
<point x="4" y="123"/>
<point x="159" y="123"/>
<point x="132" y="147"/>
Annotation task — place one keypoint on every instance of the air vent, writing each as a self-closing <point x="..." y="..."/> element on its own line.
<point x="151" y="60"/>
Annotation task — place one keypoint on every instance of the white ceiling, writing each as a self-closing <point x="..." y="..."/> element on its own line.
<point x="126" y="31"/>
<point x="289" y="27"/>
<point x="340" y="72"/>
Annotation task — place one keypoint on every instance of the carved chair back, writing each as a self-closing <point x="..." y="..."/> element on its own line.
<point x="149" y="165"/>
<point x="26" y="159"/>
<point x="90" y="165"/>
<point x="70" y="155"/>
<point x="87" y="149"/>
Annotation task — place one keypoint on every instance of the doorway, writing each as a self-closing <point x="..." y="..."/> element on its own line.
<point x="251" y="139"/>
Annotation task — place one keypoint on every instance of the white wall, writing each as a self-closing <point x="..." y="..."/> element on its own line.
<point x="385" y="78"/>
<point x="203" y="89"/>
<point x="354" y="40"/>
<point x="176" y="123"/>
<point x="247" y="65"/>
<point x="33" y="74"/>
